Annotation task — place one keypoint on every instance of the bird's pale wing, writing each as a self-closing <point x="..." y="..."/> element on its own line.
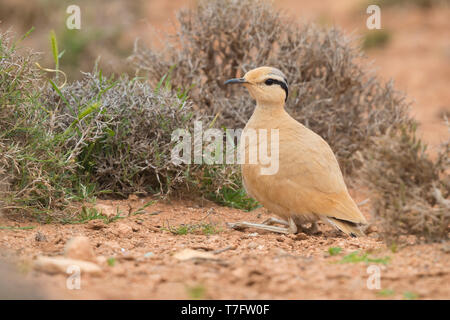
<point x="309" y="179"/>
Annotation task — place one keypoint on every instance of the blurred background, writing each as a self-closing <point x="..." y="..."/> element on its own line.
<point x="412" y="48"/>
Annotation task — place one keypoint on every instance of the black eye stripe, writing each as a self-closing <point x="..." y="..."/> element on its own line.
<point x="282" y="84"/>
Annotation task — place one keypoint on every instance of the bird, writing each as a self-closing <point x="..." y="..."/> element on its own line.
<point x="308" y="186"/>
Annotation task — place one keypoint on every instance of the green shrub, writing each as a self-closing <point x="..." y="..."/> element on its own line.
<point x="99" y="135"/>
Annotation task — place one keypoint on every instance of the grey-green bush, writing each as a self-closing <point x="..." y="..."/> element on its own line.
<point x="96" y="136"/>
<point x="410" y="191"/>
<point x="331" y="89"/>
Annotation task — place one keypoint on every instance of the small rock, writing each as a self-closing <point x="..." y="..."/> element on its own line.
<point x="148" y="254"/>
<point x="239" y="273"/>
<point x="40" y="237"/>
<point x="59" y="240"/>
<point x="54" y="265"/>
<point x="124" y="230"/>
<point x="254" y="234"/>
<point x="79" y="248"/>
<point x="133" y="197"/>
<point x="96" y="224"/>
<point x="102" y="260"/>
<point x="188" y="254"/>
<point x="106" y="210"/>
<point x="280" y="252"/>
<point x="252" y="245"/>
<point x="300" y="236"/>
<point x="446" y="247"/>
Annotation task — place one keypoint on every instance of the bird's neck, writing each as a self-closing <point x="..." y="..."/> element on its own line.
<point x="269" y="109"/>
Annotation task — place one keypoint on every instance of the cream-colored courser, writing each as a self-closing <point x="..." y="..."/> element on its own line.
<point x="308" y="185"/>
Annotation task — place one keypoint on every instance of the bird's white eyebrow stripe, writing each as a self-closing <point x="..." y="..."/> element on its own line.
<point x="277" y="77"/>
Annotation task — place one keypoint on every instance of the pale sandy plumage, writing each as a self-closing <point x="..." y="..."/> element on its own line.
<point x="309" y="184"/>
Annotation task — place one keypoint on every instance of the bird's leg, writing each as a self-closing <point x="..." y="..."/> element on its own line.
<point x="272" y="220"/>
<point x="314" y="228"/>
<point x="292" y="227"/>
<point x="244" y="224"/>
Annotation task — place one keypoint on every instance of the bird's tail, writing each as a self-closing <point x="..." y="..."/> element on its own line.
<point x="348" y="227"/>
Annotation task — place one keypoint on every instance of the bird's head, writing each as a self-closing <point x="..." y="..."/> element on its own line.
<point x="266" y="85"/>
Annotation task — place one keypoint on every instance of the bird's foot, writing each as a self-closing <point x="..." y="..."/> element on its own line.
<point x="313" y="229"/>
<point x="272" y="221"/>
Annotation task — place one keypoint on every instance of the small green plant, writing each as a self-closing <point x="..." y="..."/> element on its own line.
<point x="386" y="292"/>
<point x="356" y="257"/>
<point x="55" y="52"/>
<point x="393" y="247"/>
<point x="208" y="229"/>
<point x="334" y="251"/>
<point x="111" y="261"/>
<point x="408" y="295"/>
<point x="89" y="213"/>
<point x="141" y="209"/>
<point x="235" y="198"/>
<point x="17" y="228"/>
<point x="203" y="228"/>
<point x="181" y="230"/>
<point x="375" y="39"/>
<point x="196" y="292"/>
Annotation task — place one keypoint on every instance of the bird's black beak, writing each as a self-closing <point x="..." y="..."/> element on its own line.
<point x="236" y="80"/>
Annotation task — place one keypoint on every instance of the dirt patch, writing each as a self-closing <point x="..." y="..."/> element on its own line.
<point x="140" y="258"/>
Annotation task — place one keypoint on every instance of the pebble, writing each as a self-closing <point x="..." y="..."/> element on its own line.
<point x="446" y="247"/>
<point x="252" y="245"/>
<point x="300" y="236"/>
<point x="239" y="272"/>
<point x="54" y="265"/>
<point x="188" y="254"/>
<point x="106" y="210"/>
<point x="133" y="197"/>
<point x="124" y="230"/>
<point x="96" y="224"/>
<point x="280" y="252"/>
<point x="148" y="254"/>
<point x="79" y="248"/>
<point x="40" y="237"/>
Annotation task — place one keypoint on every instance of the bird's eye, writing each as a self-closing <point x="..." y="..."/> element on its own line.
<point x="269" y="82"/>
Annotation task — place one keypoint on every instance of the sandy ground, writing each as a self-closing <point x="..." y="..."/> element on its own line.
<point x="240" y="264"/>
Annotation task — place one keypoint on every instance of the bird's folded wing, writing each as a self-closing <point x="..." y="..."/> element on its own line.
<point x="312" y="179"/>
